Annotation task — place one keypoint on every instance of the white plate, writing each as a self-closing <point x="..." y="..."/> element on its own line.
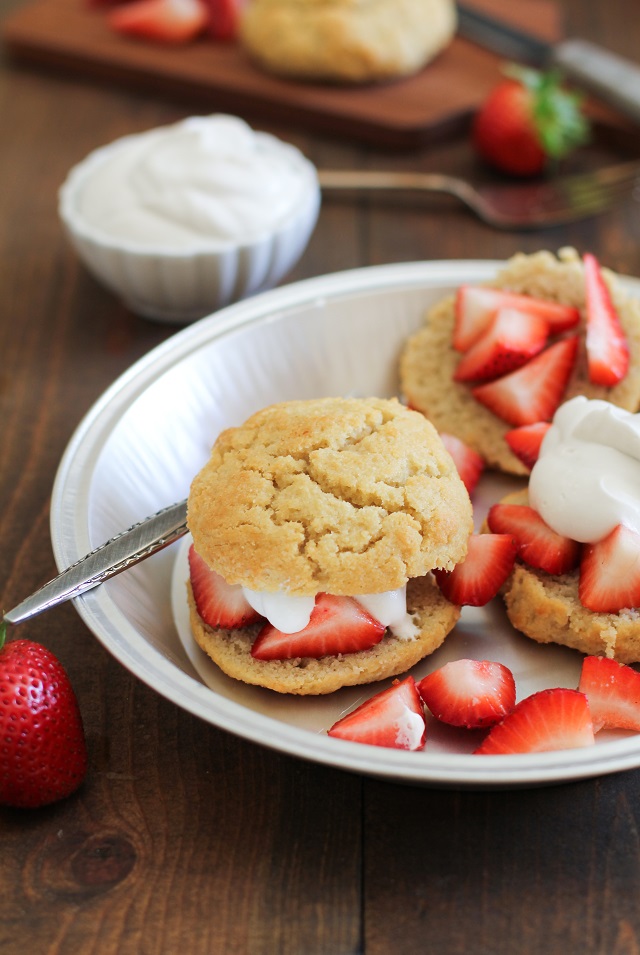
<point x="143" y="441"/>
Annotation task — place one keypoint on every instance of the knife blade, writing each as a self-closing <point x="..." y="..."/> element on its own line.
<point x="610" y="77"/>
<point x="117" y="554"/>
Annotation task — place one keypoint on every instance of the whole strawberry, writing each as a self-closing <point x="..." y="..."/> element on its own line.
<point x="527" y="121"/>
<point x="43" y="755"/>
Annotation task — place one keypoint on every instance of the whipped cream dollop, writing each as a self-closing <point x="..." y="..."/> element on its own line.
<point x="290" y="614"/>
<point x="206" y="179"/>
<point x="586" y="480"/>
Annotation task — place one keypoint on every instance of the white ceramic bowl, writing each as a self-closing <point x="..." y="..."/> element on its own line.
<point x="140" y="445"/>
<point x="182" y="284"/>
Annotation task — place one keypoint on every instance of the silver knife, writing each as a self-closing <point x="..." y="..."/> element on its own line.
<point x="587" y="65"/>
<point x="118" y="554"/>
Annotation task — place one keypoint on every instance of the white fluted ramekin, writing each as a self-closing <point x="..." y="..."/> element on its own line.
<point x="182" y="285"/>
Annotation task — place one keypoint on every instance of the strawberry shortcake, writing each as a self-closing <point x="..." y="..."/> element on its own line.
<point x="493" y="362"/>
<point x="316" y="526"/>
<point x="576" y="580"/>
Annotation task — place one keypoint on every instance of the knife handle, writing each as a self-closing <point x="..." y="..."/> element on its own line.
<point x="612" y="78"/>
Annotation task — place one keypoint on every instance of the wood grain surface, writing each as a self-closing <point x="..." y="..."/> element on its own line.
<point x="73" y="36"/>
<point x="183" y="838"/>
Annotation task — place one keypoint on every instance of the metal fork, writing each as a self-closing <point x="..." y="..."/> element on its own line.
<point x="522" y="206"/>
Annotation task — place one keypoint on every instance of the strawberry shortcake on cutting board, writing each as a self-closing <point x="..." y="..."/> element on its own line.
<point x="493" y="362"/>
<point x="316" y="526"/>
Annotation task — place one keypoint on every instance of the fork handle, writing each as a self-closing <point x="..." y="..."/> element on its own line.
<point x="374" y="180"/>
<point x="610" y="77"/>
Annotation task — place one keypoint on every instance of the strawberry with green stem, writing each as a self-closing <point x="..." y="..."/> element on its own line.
<point x="528" y="121"/>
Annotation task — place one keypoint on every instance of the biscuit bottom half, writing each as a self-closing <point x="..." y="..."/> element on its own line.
<point x="548" y="610"/>
<point x="230" y="650"/>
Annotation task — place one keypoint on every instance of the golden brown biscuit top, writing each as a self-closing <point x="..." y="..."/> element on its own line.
<point x="346" y="41"/>
<point x="343" y="495"/>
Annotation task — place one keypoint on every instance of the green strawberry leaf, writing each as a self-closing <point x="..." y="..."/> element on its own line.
<point x="557" y="112"/>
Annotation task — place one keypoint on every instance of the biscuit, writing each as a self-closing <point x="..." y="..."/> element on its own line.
<point x="547" y="609"/>
<point x="429" y="360"/>
<point x="341" y="495"/>
<point x="231" y="649"/>
<point x="346" y="41"/>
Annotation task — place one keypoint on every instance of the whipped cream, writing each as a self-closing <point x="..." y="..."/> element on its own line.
<point x="206" y="180"/>
<point x="390" y="609"/>
<point x="409" y="729"/>
<point x="290" y="614"/>
<point x="283" y="611"/>
<point x="586" y="480"/>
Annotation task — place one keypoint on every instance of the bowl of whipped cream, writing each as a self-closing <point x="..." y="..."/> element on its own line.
<point x="183" y="219"/>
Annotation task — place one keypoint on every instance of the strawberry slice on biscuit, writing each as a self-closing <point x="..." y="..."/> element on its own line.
<point x="533" y="392"/>
<point x="337" y="625"/>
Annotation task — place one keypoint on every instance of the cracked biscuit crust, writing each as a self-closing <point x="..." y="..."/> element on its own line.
<point x="304" y="676"/>
<point x="429" y="359"/>
<point x="342" y="495"/>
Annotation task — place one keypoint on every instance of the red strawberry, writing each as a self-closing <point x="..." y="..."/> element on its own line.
<point x="525" y="441"/>
<point x="531" y="393"/>
<point x="512" y="338"/>
<point x="476" y="306"/>
<point x="527" y="120"/>
<point x="337" y="625"/>
<point x="479" y="577"/>
<point x="610" y="572"/>
<point x="613" y="691"/>
<point x="468" y="462"/>
<point x="550" y="719"/>
<point x="218" y="603"/>
<point x="538" y="545"/>
<point x="43" y="755"/>
<point x="471" y="693"/>
<point x="393" y="717"/>
<point x="166" y="21"/>
<point x="224" y="18"/>
<point x="607" y="348"/>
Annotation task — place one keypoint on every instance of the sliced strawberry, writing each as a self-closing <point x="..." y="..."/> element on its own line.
<point x="471" y="693"/>
<point x="610" y="572"/>
<point x="337" y="625"/>
<point x="525" y="441"/>
<point x="533" y="392"/>
<point x="468" y="462"/>
<point x="393" y="717"/>
<point x="476" y="305"/>
<point x="479" y="577"/>
<point x="607" y="347"/>
<point x="218" y="603"/>
<point x="224" y="18"/>
<point x="538" y="545"/>
<point x="550" y="719"/>
<point x="166" y="21"/>
<point x="510" y="340"/>
<point x="613" y="691"/>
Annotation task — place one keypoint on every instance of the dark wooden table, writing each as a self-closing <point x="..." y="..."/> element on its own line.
<point x="184" y="838"/>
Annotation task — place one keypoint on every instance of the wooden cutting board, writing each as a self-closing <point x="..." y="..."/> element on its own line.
<point x="72" y="36"/>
